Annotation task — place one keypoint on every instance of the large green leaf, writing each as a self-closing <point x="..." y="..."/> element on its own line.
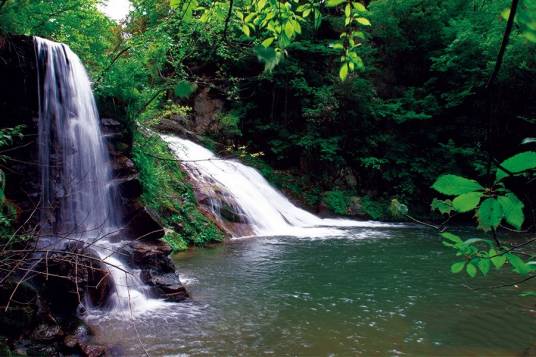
<point x="490" y="214"/>
<point x="512" y="209"/>
<point x="517" y="163"/>
<point x="452" y="237"/>
<point x="333" y="3"/>
<point x="518" y="264"/>
<point x="455" y="185"/>
<point x="467" y="201"/>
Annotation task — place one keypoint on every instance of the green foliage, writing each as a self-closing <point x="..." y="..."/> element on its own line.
<point x="167" y="191"/>
<point x="175" y="241"/>
<point x="516" y="164"/>
<point x="184" y="89"/>
<point x="7" y="211"/>
<point x="337" y="201"/>
<point x="398" y="209"/>
<point x="480" y="255"/>
<point x="492" y="204"/>
<point x="455" y="185"/>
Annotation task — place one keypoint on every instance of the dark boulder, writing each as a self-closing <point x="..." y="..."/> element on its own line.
<point x="143" y="224"/>
<point x="157" y="269"/>
<point x="71" y="274"/>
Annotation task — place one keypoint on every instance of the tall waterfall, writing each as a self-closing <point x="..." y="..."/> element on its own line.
<point x="250" y="196"/>
<point x="78" y="200"/>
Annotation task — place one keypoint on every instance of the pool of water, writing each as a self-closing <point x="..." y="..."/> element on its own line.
<point x="375" y="291"/>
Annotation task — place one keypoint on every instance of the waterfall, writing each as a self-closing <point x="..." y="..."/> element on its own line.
<point x="253" y="200"/>
<point x="78" y="200"/>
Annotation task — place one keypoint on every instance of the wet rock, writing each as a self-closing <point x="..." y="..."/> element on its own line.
<point x="150" y="255"/>
<point x="90" y="350"/>
<point x="157" y="269"/>
<point x="47" y="332"/>
<point x="167" y="285"/>
<point x="22" y="309"/>
<point x="129" y="187"/>
<point x="123" y="167"/>
<point x="144" y="224"/>
<point x="72" y="274"/>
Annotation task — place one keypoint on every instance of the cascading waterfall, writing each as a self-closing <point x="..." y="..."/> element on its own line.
<point x="78" y="200"/>
<point x="265" y="209"/>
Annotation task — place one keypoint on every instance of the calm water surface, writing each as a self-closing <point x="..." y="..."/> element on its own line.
<point x="383" y="292"/>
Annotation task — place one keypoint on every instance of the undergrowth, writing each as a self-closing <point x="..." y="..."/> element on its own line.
<point x="167" y="191"/>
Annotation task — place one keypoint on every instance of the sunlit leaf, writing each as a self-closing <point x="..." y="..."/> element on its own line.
<point x="467" y="201"/>
<point x="455" y="185"/>
<point x="516" y="164"/>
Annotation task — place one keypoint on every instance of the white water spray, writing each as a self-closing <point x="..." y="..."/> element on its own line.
<point x="78" y="200"/>
<point x="267" y="211"/>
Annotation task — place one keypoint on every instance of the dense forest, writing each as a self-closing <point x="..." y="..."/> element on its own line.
<point x="413" y="111"/>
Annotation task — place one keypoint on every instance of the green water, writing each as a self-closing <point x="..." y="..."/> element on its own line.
<point x="380" y="292"/>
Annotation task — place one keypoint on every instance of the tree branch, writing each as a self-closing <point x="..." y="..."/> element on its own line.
<point x="506" y="38"/>
<point x="227" y="19"/>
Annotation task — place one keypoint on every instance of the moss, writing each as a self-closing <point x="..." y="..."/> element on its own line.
<point x="167" y="191"/>
<point x="176" y="241"/>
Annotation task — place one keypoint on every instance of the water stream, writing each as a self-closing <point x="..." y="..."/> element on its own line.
<point x="248" y="194"/>
<point x="79" y="203"/>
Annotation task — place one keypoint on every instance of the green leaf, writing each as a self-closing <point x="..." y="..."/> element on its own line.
<point x="443" y="206"/>
<point x="490" y="214"/>
<point x="174" y="3"/>
<point x="455" y="185"/>
<point x="289" y="29"/>
<point x="337" y="46"/>
<point x="457" y="267"/>
<point x="484" y="265"/>
<point x="513" y="209"/>
<point x="363" y="21"/>
<point x="245" y="29"/>
<point x="347" y="10"/>
<point x="518" y="163"/>
<point x="518" y="264"/>
<point x="471" y="270"/>
<point x="268" y="41"/>
<point x="467" y="201"/>
<point x="333" y="3"/>
<point x="452" y="237"/>
<point x="359" y="7"/>
<point x="184" y="89"/>
<point x="497" y="260"/>
<point x="343" y="72"/>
